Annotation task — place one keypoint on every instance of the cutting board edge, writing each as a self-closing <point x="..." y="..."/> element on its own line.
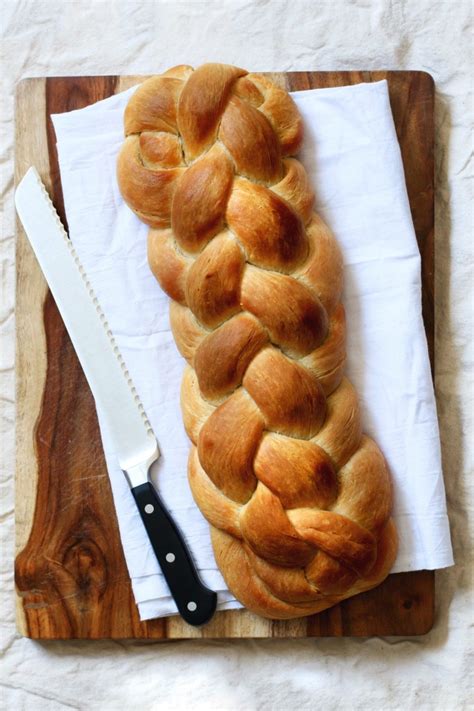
<point x="301" y="72"/>
<point x="299" y="631"/>
<point x="27" y="327"/>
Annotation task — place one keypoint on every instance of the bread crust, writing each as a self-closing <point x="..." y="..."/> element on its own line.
<point x="298" y="499"/>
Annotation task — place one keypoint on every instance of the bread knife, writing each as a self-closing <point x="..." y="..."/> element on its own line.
<point x="113" y="391"/>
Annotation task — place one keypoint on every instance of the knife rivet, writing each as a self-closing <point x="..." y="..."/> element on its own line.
<point x="149" y="508"/>
<point x="170" y="557"/>
<point x="191" y="606"/>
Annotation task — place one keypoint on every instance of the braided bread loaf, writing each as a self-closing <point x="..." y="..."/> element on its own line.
<point x="298" y="498"/>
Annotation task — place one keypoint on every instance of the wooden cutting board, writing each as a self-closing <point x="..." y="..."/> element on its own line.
<point x="70" y="571"/>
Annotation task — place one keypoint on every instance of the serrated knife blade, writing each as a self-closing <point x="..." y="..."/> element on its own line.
<point x="113" y="391"/>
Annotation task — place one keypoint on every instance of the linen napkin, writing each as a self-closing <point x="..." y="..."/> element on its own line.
<point x="353" y="159"/>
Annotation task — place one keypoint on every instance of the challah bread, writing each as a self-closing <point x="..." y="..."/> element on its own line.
<point x="298" y="499"/>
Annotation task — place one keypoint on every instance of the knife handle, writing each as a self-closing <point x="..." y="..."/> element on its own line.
<point x="195" y="602"/>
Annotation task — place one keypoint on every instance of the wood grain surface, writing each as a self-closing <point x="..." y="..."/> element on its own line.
<point x="70" y="572"/>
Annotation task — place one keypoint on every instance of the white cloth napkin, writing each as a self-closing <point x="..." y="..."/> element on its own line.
<point x="353" y="159"/>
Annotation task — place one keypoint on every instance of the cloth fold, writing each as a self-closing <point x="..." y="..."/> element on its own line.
<point x="353" y="159"/>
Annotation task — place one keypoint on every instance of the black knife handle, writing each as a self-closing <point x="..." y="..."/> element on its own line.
<point x="195" y="602"/>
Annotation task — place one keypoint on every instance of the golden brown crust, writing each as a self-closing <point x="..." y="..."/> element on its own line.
<point x="213" y="286"/>
<point x="299" y="501"/>
<point x="223" y="357"/>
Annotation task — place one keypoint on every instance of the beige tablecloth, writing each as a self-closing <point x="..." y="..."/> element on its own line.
<point x="100" y="37"/>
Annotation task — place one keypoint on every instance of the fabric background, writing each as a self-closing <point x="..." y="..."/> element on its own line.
<point x="101" y="37"/>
